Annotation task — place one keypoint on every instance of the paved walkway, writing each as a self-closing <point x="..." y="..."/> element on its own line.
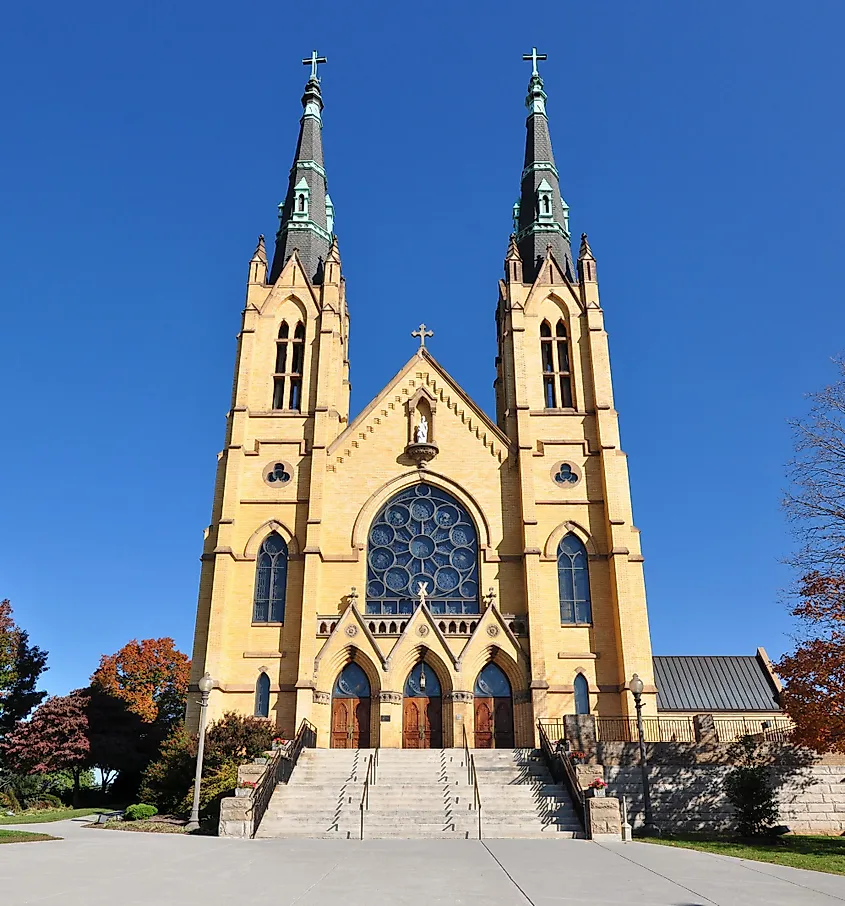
<point x="101" y="868"/>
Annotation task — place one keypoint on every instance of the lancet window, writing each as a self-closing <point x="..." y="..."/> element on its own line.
<point x="573" y="580"/>
<point x="582" y="694"/>
<point x="287" y="378"/>
<point x="422" y="536"/>
<point x="271" y="576"/>
<point x="262" y="696"/>
<point x="557" y="374"/>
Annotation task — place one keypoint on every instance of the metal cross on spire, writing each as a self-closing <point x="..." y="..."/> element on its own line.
<point x="313" y="61"/>
<point x="534" y="57"/>
<point x="422" y="333"/>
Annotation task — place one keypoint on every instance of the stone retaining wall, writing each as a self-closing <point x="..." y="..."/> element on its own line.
<point x="690" y="798"/>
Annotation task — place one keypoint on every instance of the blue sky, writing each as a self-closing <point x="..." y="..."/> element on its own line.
<point x="146" y="145"/>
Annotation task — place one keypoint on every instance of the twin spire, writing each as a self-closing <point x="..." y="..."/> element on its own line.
<point x="306" y="216"/>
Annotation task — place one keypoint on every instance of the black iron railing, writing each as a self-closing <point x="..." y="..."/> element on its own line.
<point x="280" y="769"/>
<point x="372" y="768"/>
<point x="561" y="768"/>
<point x="472" y="779"/>
<point x="730" y="729"/>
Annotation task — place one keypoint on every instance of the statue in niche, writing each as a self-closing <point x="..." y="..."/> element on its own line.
<point x="421" y="431"/>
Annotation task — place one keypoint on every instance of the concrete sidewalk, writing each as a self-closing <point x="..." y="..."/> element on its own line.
<point x="100" y="868"/>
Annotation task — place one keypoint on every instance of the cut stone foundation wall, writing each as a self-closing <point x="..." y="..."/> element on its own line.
<point x="690" y="798"/>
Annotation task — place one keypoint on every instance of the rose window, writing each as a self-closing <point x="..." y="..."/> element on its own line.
<point x="422" y="535"/>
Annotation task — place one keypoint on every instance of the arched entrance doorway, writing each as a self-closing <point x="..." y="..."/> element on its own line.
<point x="422" y="717"/>
<point x="493" y="709"/>
<point x="351" y="709"/>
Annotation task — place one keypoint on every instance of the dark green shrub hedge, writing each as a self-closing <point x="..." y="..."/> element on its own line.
<point x="139" y="812"/>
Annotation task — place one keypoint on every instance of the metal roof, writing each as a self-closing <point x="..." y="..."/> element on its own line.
<point x="718" y="683"/>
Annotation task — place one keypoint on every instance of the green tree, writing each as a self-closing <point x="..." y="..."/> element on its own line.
<point x="21" y="664"/>
<point x="750" y="787"/>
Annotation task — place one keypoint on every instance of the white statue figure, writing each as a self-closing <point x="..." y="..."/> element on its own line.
<point x="421" y="432"/>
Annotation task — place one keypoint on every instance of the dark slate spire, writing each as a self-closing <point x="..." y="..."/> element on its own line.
<point x="306" y="215"/>
<point x="541" y="216"/>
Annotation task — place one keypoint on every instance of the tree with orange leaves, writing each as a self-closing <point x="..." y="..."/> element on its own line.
<point x="151" y="676"/>
<point x="814" y="673"/>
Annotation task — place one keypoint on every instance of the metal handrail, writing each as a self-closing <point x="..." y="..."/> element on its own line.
<point x="472" y="778"/>
<point x="562" y="769"/>
<point x="280" y="769"/>
<point x="476" y="792"/>
<point x="365" y="794"/>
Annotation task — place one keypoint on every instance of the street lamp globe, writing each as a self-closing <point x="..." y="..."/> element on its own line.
<point x="206" y="683"/>
<point x="636" y="685"/>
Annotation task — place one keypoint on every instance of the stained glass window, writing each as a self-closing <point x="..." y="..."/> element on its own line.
<point x="422" y="682"/>
<point x="422" y="535"/>
<point x="262" y="696"/>
<point x="582" y="695"/>
<point x="270" y="581"/>
<point x="573" y="581"/>
<point x="557" y="374"/>
<point x="351" y="682"/>
<point x="492" y="683"/>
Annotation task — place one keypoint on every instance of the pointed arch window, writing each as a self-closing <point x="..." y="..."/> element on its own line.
<point x="262" y="696"/>
<point x="287" y="378"/>
<point x="271" y="576"/>
<point x="582" y="694"/>
<point x="573" y="581"/>
<point x="557" y="374"/>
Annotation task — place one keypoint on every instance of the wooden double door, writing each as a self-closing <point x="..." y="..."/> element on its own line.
<point x="493" y="723"/>
<point x="350" y="723"/>
<point x="422" y="723"/>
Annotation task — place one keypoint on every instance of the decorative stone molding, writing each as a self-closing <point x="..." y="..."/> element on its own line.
<point x="422" y="630"/>
<point x="322" y="698"/>
<point x="466" y="697"/>
<point x="351" y="631"/>
<point x="422" y="453"/>
<point x="390" y="698"/>
<point x="492" y="631"/>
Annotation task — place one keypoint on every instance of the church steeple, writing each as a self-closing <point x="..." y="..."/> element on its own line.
<point x="541" y="215"/>
<point x="306" y="215"/>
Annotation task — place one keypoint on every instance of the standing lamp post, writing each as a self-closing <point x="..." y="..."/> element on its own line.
<point x="206" y="684"/>
<point x="636" y="687"/>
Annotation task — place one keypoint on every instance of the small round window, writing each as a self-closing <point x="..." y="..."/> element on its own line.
<point x="278" y="474"/>
<point x="565" y="475"/>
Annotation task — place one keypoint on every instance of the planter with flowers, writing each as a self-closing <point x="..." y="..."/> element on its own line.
<point x="279" y="742"/>
<point x="577" y="757"/>
<point x="597" y="789"/>
<point x="244" y="788"/>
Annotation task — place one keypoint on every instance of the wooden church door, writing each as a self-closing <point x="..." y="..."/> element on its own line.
<point x="493" y="710"/>
<point x="422" y="717"/>
<point x="351" y="709"/>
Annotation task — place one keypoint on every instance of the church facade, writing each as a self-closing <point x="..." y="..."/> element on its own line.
<point x="422" y="572"/>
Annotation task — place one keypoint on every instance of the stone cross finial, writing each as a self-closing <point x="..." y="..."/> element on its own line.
<point x="491" y="596"/>
<point x="353" y="596"/>
<point x="422" y="333"/>
<point x="422" y="589"/>
<point x="314" y="61"/>
<point x="534" y="57"/>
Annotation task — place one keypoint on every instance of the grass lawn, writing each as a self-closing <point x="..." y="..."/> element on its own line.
<point x="23" y="837"/>
<point x="42" y="816"/>
<point x="797" y="851"/>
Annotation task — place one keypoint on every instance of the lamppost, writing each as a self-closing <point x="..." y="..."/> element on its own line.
<point x="206" y="684"/>
<point x="636" y="687"/>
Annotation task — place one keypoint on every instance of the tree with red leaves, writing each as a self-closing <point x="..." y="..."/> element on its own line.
<point x="151" y="676"/>
<point x="54" y="739"/>
<point x="814" y="673"/>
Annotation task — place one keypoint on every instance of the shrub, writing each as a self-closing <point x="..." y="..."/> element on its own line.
<point x="215" y="786"/>
<point x="750" y="789"/>
<point x="236" y="738"/>
<point x="167" y="779"/>
<point x="46" y="801"/>
<point x="139" y="812"/>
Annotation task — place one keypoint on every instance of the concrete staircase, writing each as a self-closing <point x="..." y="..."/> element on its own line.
<point x="419" y="793"/>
